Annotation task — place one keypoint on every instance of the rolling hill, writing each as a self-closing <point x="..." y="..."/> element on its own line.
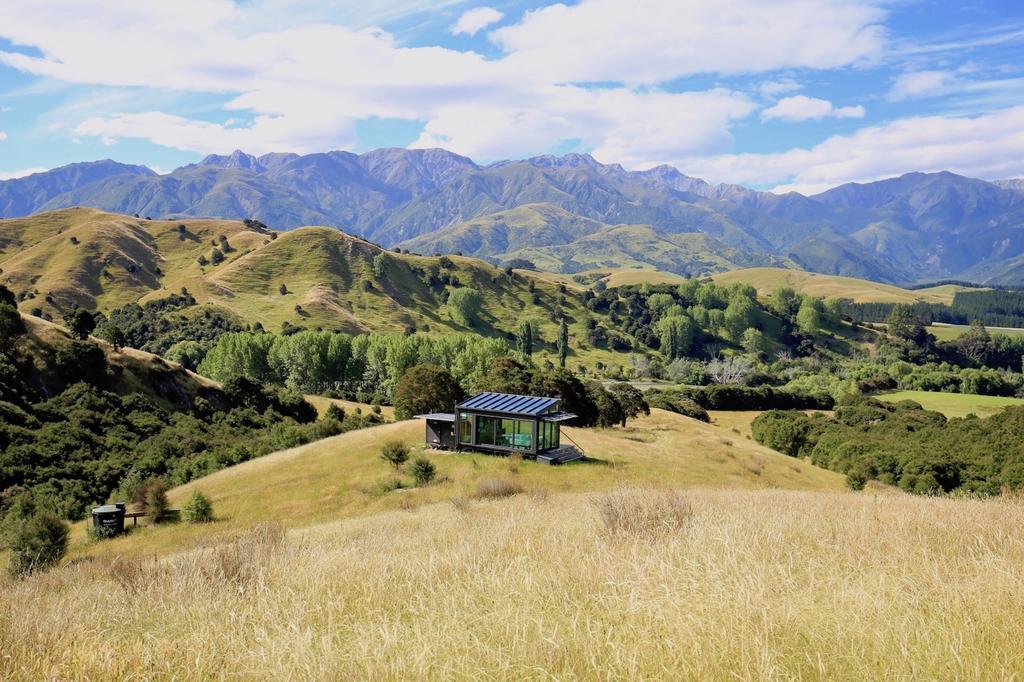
<point x="555" y="240"/>
<point x="765" y="280"/>
<point x="571" y="579"/>
<point x="341" y="477"/>
<point x="917" y="227"/>
<point x="100" y="261"/>
<point x="134" y="371"/>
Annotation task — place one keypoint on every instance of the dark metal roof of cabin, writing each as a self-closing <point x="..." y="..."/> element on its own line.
<point x="436" y="417"/>
<point x="508" y="403"/>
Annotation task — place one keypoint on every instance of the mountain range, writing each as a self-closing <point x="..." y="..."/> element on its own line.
<point x="572" y="213"/>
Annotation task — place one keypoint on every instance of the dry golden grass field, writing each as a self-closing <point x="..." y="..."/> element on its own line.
<point x="765" y="280"/>
<point x="627" y="584"/>
<point x="344" y="476"/>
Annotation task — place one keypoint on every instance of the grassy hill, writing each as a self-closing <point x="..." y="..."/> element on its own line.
<point x="707" y="584"/>
<point x="343" y="476"/>
<point x="103" y="260"/>
<point x="826" y="286"/>
<point x="330" y="276"/>
<point x="556" y="240"/>
<point x="134" y="371"/>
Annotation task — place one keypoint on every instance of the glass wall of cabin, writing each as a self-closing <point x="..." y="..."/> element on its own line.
<point x="549" y="435"/>
<point x="516" y="434"/>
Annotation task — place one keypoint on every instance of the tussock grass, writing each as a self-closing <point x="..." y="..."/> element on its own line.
<point x="495" y="488"/>
<point x="643" y="512"/>
<point x="753" y="585"/>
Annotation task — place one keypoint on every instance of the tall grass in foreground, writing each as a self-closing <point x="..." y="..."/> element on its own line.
<point x="703" y="585"/>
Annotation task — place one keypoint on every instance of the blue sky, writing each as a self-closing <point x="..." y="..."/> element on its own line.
<point x="791" y="94"/>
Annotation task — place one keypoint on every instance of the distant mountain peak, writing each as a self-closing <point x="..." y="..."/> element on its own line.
<point x="236" y="159"/>
<point x="913" y="227"/>
<point x="1016" y="184"/>
<point x="571" y="160"/>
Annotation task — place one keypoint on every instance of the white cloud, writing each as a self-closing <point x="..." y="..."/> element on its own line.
<point x="778" y="87"/>
<point x="967" y="87"/>
<point x="475" y="20"/>
<point x="3" y="136"/>
<point x="650" y="41"/>
<point x="803" y="108"/>
<point x="988" y="146"/>
<point x="12" y="175"/>
<point x="919" y="84"/>
<point x="620" y="125"/>
<point x="303" y="86"/>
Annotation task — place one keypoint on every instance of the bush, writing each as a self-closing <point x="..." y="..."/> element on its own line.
<point x="395" y="453"/>
<point x="38" y="543"/>
<point x="423" y="471"/>
<point x="155" y="499"/>
<point x="198" y="509"/>
<point x="11" y="324"/>
<point x="785" y="432"/>
<point x="494" y="488"/>
<point x="80" y="361"/>
<point x="674" y="402"/>
<point x="336" y="412"/>
<point x="732" y="397"/>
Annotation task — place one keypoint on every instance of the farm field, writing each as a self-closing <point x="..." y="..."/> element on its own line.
<point x="765" y="280"/>
<point x="707" y="584"/>
<point x="954" y="404"/>
<point x="625" y="276"/>
<point x="343" y="476"/>
<point x="950" y="332"/>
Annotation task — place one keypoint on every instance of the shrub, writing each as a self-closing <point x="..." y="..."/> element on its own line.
<point x="198" y="509"/>
<point x="11" y="324"/>
<point x="155" y="500"/>
<point x="38" y="542"/>
<point x="395" y="453"/>
<point x="785" y="432"/>
<point x="423" y="471"/>
<point x="334" y="411"/>
<point x="494" y="488"/>
<point x="673" y="402"/>
<point x="80" y="361"/>
<point x="641" y="512"/>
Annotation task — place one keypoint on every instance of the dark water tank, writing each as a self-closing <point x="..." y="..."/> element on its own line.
<point x="108" y="520"/>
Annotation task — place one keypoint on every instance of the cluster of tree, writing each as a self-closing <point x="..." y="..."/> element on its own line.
<point x="736" y="397"/>
<point x="908" y="339"/>
<point x="902" y="444"/>
<point x="697" y="318"/>
<point x="994" y="307"/>
<point x="159" y="325"/>
<point x="429" y="388"/>
<point x="366" y="367"/>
